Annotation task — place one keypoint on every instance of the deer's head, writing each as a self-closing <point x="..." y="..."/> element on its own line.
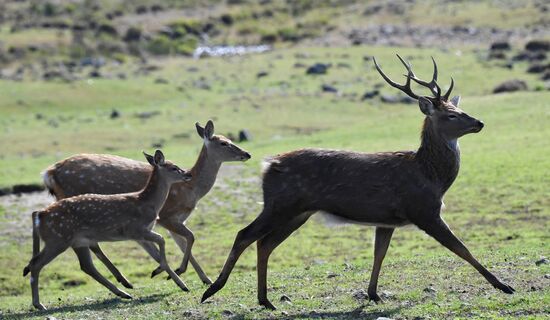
<point x="166" y="169"/>
<point x="444" y="114"/>
<point x="220" y="147"/>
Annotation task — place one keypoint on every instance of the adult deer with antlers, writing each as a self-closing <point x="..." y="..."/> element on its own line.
<point x="387" y="190"/>
<point x="80" y="222"/>
<point x="107" y="174"/>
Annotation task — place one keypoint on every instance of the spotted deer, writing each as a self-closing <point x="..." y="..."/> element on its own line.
<point x="108" y="174"/>
<point x="82" y="221"/>
<point x="386" y="190"/>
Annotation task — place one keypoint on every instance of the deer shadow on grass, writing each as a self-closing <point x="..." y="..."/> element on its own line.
<point x="95" y="306"/>
<point x="357" y="313"/>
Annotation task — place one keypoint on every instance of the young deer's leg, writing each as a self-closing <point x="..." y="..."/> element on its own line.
<point x="381" y="244"/>
<point x="265" y="247"/>
<point x="262" y="225"/>
<point x="159" y="240"/>
<point x="439" y="230"/>
<point x="183" y="244"/>
<point x="151" y="250"/>
<point x="184" y="239"/>
<point x="96" y="249"/>
<point x="202" y="275"/>
<point x="86" y="264"/>
<point x="36" y="264"/>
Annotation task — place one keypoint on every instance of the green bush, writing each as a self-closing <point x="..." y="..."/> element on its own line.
<point x="289" y="34"/>
<point x="160" y="45"/>
<point x="163" y="45"/>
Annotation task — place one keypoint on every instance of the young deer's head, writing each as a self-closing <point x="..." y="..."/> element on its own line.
<point x="220" y="147"/>
<point x="166" y="169"/>
<point x="443" y="113"/>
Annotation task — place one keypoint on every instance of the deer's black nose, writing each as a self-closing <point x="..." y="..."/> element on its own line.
<point x="247" y="155"/>
<point x="480" y="124"/>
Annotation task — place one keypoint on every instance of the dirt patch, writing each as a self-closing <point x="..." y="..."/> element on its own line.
<point x="16" y="221"/>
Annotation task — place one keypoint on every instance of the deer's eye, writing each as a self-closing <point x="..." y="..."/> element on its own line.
<point x="225" y="144"/>
<point x="451" y="117"/>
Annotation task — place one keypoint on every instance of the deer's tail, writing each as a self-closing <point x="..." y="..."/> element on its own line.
<point x="35" y="240"/>
<point x="48" y="176"/>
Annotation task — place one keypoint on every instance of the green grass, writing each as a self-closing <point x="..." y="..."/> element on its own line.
<point x="499" y="204"/>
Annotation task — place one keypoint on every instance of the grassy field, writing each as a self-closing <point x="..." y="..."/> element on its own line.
<point x="499" y="204"/>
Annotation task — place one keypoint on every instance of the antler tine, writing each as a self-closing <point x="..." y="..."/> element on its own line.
<point x="435" y="70"/>
<point x="407" y="66"/>
<point x="406" y="88"/>
<point x="448" y="93"/>
<point x="432" y="85"/>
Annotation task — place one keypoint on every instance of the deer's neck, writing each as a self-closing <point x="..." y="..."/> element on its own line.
<point x="155" y="191"/>
<point x="438" y="157"/>
<point x="204" y="173"/>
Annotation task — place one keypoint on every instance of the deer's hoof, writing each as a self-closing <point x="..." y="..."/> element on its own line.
<point x="209" y="292"/>
<point x="505" y="288"/>
<point x="180" y="270"/>
<point x="39" y="306"/>
<point x="375" y="297"/>
<point x="124" y="295"/>
<point x="157" y="271"/>
<point x="126" y="284"/>
<point x="267" y="304"/>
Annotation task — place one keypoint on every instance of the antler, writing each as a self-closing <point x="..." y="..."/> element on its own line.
<point x="448" y="93"/>
<point x="406" y="88"/>
<point x="432" y="85"/>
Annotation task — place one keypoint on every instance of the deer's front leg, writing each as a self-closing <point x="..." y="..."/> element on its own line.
<point x="381" y="244"/>
<point x="184" y="239"/>
<point x="438" y="229"/>
<point x="159" y="240"/>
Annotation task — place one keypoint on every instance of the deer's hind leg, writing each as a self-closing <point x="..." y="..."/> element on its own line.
<point x="36" y="264"/>
<point x="265" y="247"/>
<point x="96" y="249"/>
<point x="87" y="265"/>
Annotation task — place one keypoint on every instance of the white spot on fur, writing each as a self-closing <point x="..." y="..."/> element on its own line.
<point x="36" y="221"/>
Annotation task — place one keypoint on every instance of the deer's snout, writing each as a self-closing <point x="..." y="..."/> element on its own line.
<point x="246" y="156"/>
<point x="480" y="124"/>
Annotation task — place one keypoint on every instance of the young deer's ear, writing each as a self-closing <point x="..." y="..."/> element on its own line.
<point x="455" y="100"/>
<point x="209" y="130"/>
<point x="159" y="158"/>
<point x="149" y="158"/>
<point x="426" y="106"/>
<point x="200" y="130"/>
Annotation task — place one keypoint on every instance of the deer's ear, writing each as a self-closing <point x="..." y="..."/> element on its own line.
<point x="426" y="106"/>
<point x="200" y="130"/>
<point x="149" y="158"/>
<point x="455" y="100"/>
<point x="209" y="130"/>
<point x="159" y="158"/>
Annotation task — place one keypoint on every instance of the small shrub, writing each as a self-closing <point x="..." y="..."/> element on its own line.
<point x="160" y="45"/>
